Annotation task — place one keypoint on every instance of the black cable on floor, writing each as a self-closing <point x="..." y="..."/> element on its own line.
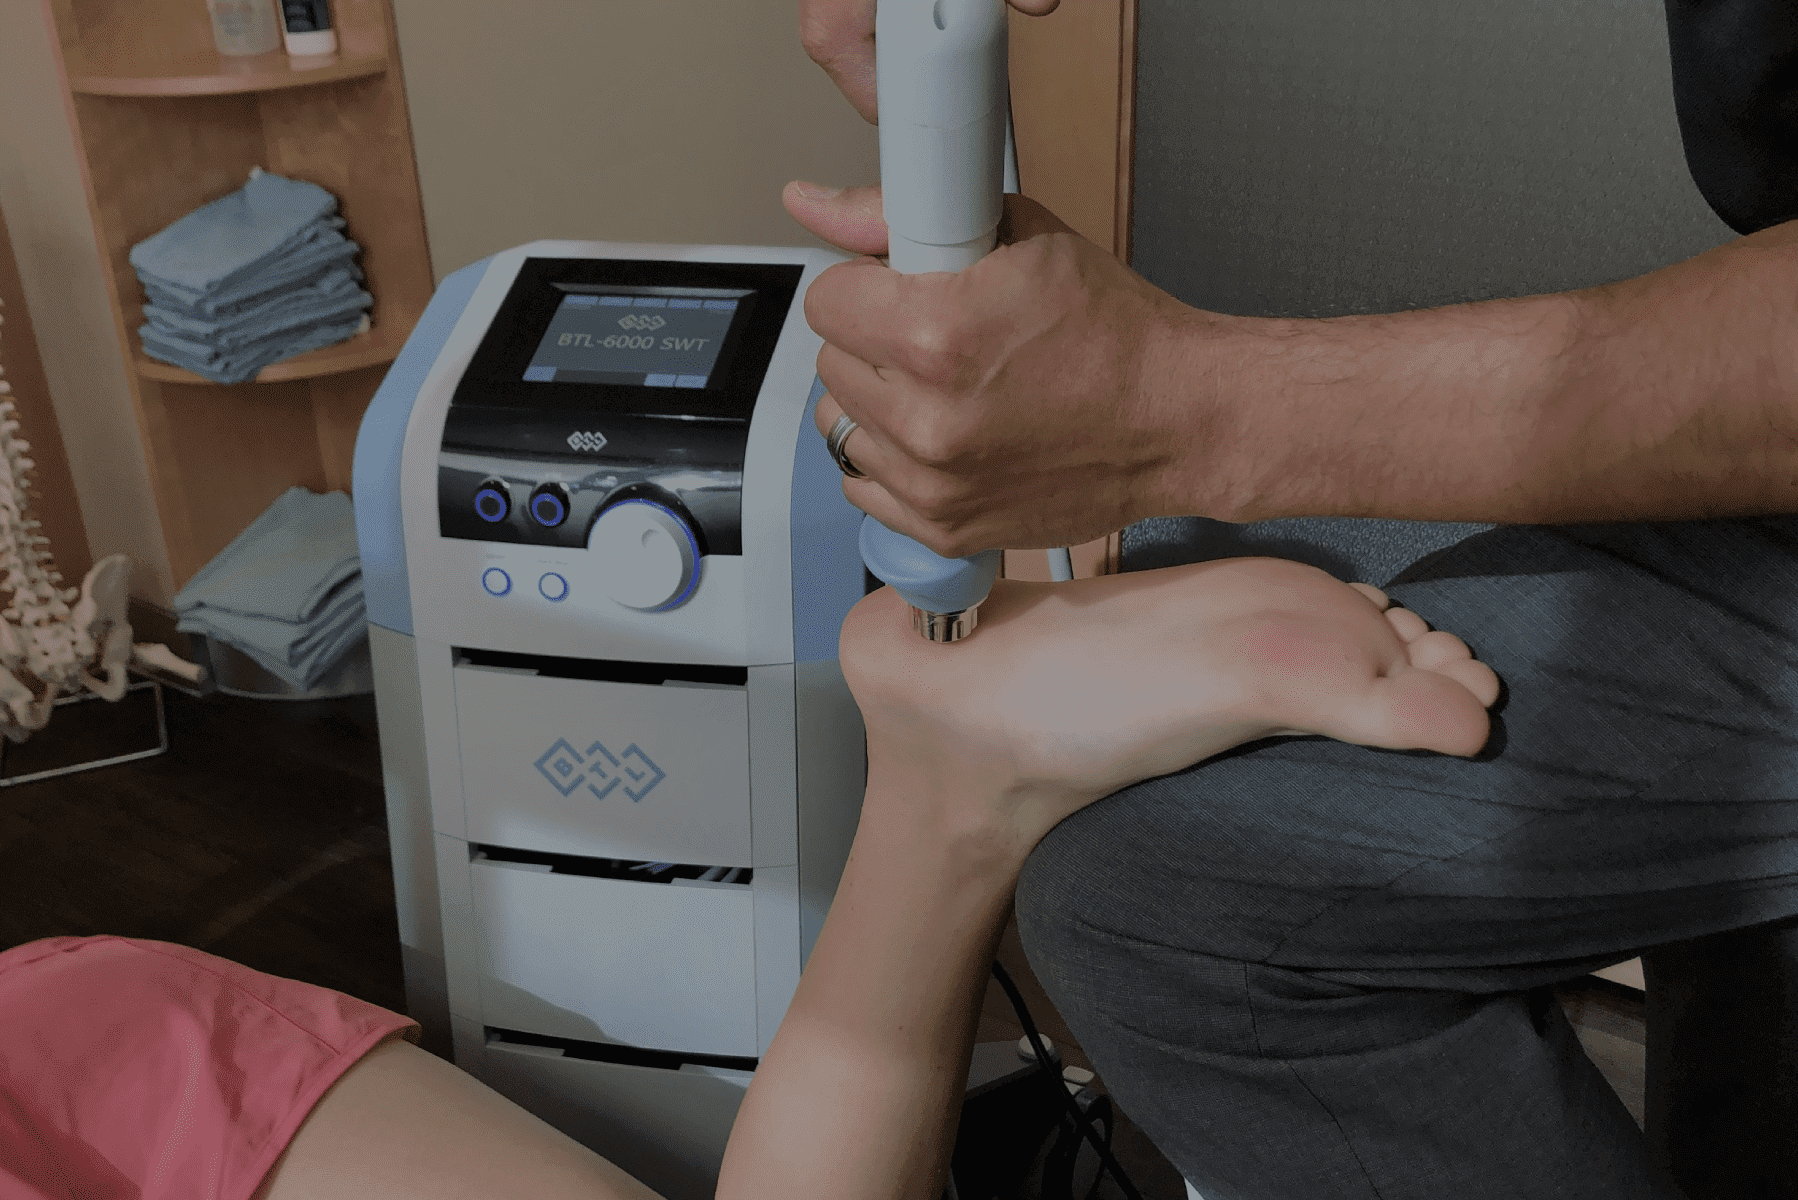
<point x="1081" y="1121"/>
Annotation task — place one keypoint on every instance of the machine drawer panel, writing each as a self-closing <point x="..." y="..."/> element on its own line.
<point x="606" y="770"/>
<point x="653" y="965"/>
<point x="666" y="1128"/>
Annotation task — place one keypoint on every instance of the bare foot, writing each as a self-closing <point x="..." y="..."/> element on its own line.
<point x="1088" y="686"/>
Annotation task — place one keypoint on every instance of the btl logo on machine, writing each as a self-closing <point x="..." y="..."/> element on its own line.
<point x="567" y="769"/>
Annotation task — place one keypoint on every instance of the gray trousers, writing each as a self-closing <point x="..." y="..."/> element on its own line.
<point x="1311" y="971"/>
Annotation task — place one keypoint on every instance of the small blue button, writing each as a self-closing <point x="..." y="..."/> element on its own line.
<point x="496" y="581"/>
<point x="553" y="587"/>
<point x="491" y="504"/>
<point x="548" y="509"/>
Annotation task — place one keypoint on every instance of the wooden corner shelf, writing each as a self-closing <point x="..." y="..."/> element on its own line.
<point x="375" y="348"/>
<point x="219" y="454"/>
<point x="203" y="71"/>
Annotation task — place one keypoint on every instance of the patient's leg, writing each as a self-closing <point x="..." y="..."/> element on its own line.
<point x="402" y="1124"/>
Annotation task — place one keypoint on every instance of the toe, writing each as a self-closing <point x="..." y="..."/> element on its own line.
<point x="1372" y="593"/>
<point x="1422" y="710"/>
<point x="1409" y="625"/>
<point x="1475" y="676"/>
<point x="1431" y="650"/>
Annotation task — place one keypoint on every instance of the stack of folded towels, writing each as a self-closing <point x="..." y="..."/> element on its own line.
<point x="257" y="276"/>
<point x="287" y="591"/>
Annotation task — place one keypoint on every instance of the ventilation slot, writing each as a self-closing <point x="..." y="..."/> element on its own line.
<point x="630" y="1056"/>
<point x="652" y="674"/>
<point x="632" y="870"/>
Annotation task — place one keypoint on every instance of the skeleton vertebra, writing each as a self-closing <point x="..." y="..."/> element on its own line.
<point x="47" y="648"/>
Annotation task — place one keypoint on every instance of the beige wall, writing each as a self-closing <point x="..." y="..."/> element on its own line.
<point x="627" y="120"/>
<point x="45" y="202"/>
<point x="622" y="120"/>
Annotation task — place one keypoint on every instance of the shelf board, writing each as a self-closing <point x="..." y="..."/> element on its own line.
<point x="364" y="350"/>
<point x="206" y="72"/>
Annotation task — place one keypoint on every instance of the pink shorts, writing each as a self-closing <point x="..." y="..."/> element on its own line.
<point x="140" y="1069"/>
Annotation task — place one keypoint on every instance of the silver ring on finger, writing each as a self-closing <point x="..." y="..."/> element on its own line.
<point x="839" y="433"/>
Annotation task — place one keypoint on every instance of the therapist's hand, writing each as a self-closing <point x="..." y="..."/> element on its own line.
<point x="839" y="36"/>
<point x="1045" y="396"/>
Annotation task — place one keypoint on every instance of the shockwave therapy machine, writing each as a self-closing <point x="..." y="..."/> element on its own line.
<point x="607" y="558"/>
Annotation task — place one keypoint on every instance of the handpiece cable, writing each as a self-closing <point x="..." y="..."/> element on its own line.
<point x="1081" y="1121"/>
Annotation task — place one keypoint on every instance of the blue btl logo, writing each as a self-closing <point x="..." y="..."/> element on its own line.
<point x="600" y="770"/>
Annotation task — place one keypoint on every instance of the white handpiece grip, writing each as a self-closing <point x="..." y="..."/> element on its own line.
<point x="941" y="75"/>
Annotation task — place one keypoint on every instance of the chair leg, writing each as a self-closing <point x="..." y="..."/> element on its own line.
<point x="1722" y="1063"/>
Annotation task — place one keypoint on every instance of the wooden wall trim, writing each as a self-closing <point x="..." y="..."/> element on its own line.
<point x="1073" y="98"/>
<point x="1126" y="130"/>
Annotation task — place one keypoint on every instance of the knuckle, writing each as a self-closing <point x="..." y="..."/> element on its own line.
<point x="936" y="499"/>
<point x="938" y="439"/>
<point x="933" y="349"/>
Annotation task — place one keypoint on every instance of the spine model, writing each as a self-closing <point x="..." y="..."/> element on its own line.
<point x="56" y="641"/>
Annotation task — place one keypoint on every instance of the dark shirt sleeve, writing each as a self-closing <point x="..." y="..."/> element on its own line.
<point x="1735" y="83"/>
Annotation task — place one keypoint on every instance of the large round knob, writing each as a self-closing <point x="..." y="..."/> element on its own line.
<point x="648" y="558"/>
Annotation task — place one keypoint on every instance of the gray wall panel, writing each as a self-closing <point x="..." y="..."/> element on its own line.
<point x="1314" y="158"/>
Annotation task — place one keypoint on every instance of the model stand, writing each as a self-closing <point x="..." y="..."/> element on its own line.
<point x="61" y="646"/>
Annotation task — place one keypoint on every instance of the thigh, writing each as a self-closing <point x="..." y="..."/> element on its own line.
<point x="1640" y="786"/>
<point x="131" y="1067"/>
<point x="402" y="1124"/>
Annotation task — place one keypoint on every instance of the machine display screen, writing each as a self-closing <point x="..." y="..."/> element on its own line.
<point x="659" y="337"/>
<point x="576" y="339"/>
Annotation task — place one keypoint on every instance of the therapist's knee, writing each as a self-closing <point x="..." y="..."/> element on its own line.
<point x="1075" y="915"/>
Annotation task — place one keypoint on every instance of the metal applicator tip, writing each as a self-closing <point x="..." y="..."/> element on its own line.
<point x="944" y="627"/>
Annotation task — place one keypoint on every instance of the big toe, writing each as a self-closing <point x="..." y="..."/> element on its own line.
<point x="1442" y="710"/>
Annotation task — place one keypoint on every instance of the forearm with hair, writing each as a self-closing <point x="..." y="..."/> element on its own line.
<point x="1671" y="396"/>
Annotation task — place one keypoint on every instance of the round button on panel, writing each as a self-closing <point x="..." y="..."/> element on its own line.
<point x="496" y="581"/>
<point x="553" y="587"/>
<point x="647" y="557"/>
<point x="549" y="505"/>
<point x="493" y="502"/>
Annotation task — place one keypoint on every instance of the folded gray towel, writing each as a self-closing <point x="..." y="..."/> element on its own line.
<point x="300" y="653"/>
<point x="314" y="257"/>
<point x="286" y="564"/>
<point x="233" y="237"/>
<point x="292" y="313"/>
<point x="241" y="365"/>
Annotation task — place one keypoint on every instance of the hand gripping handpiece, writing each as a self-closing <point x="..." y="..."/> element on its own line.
<point x="941" y="75"/>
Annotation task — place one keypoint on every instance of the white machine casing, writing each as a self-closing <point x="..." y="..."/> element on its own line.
<point x="626" y="1011"/>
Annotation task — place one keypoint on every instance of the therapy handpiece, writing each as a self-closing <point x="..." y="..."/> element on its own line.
<point x="941" y="75"/>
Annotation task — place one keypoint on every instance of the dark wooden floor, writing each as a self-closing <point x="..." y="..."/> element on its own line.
<point x="261" y="837"/>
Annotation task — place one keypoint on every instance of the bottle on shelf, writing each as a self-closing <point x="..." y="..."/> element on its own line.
<point x="307" y="28"/>
<point x="241" y="28"/>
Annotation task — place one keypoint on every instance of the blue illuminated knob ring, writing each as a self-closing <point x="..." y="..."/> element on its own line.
<point x="549" y="505"/>
<point x="495" y="581"/>
<point x="493" y="502"/>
